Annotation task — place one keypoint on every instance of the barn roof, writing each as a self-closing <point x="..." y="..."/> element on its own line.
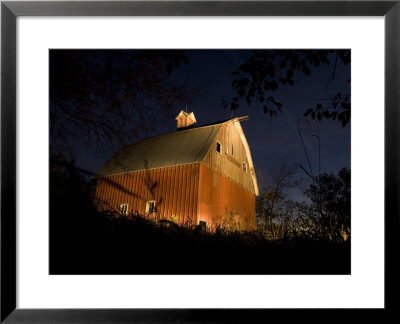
<point x="182" y="147"/>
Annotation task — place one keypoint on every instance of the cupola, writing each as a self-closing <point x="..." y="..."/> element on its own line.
<point x="185" y="120"/>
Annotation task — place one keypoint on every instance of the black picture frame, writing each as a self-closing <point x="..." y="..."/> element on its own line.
<point x="10" y="10"/>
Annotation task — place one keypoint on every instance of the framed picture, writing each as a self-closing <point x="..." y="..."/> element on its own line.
<point x="148" y="204"/>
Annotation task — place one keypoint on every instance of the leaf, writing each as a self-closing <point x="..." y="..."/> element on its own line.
<point x="308" y="112"/>
<point x="326" y="114"/>
<point x="243" y="82"/>
<point x="324" y="59"/>
<point x="241" y="92"/>
<point x="282" y="80"/>
<point x="271" y="70"/>
<point x="306" y="70"/>
<point x="273" y="85"/>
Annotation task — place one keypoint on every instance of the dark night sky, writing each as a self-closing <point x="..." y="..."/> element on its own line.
<point x="272" y="141"/>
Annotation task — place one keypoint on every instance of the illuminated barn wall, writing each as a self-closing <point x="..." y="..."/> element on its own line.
<point x="212" y="179"/>
<point x="223" y="202"/>
<point x="174" y="189"/>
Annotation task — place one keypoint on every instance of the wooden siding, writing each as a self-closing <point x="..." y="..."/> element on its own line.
<point x="175" y="190"/>
<point x="223" y="202"/>
<point x="185" y="119"/>
<point x="216" y="190"/>
<point x="228" y="164"/>
<point x="185" y="122"/>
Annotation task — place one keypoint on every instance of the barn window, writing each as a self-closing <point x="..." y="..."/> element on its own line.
<point x="150" y="206"/>
<point x="244" y="167"/>
<point x="219" y="147"/>
<point x="123" y="209"/>
<point x="232" y="149"/>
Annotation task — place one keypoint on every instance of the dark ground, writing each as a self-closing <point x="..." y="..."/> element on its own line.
<point x="84" y="241"/>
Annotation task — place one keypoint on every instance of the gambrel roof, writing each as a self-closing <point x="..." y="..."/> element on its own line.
<point x="182" y="147"/>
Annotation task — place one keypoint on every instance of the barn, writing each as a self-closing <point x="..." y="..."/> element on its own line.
<point x="197" y="175"/>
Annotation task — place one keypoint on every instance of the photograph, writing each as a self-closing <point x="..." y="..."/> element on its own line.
<point x="199" y="161"/>
<point x="186" y="161"/>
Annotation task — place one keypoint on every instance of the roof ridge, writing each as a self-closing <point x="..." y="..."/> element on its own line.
<point x="190" y="146"/>
<point x="178" y="132"/>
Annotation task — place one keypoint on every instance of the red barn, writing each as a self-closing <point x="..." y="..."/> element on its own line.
<point x="197" y="175"/>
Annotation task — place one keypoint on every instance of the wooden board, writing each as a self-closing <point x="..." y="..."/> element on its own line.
<point x="175" y="190"/>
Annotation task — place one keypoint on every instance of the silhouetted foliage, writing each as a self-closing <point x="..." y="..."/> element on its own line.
<point x="326" y="218"/>
<point x="107" y="97"/>
<point x="272" y="195"/>
<point x="331" y="196"/>
<point x="266" y="70"/>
